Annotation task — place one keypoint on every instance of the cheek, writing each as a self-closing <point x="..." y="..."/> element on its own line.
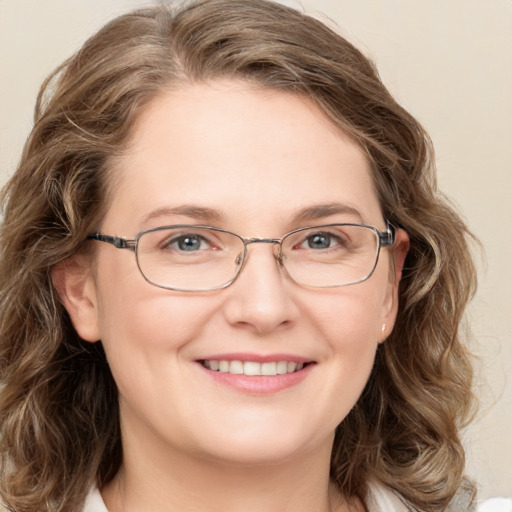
<point x="147" y="341"/>
<point x="140" y="323"/>
<point x="349" y="318"/>
<point x="349" y="321"/>
<point x="352" y="338"/>
<point x="154" y="322"/>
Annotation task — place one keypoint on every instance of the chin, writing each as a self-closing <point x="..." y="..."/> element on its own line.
<point x="254" y="454"/>
<point x="263" y="444"/>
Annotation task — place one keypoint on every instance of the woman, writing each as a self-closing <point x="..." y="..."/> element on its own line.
<point x="228" y="281"/>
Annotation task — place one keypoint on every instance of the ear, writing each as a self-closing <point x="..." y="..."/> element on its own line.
<point x="389" y="311"/>
<point x="75" y="285"/>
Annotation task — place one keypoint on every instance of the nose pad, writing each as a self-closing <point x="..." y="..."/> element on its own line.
<point x="279" y="256"/>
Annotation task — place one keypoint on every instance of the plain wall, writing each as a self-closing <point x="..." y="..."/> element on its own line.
<point x="447" y="61"/>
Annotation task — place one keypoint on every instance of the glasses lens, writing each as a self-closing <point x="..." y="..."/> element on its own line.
<point x="335" y="255"/>
<point x="189" y="258"/>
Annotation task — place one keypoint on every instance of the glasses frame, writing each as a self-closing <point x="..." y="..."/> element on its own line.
<point x="385" y="239"/>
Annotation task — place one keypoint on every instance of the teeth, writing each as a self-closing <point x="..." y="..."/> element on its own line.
<point x="236" y="367"/>
<point x="291" y="367"/>
<point x="253" y="368"/>
<point x="269" y="368"/>
<point x="282" y="367"/>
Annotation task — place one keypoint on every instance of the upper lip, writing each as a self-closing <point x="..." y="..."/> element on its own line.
<point x="258" y="358"/>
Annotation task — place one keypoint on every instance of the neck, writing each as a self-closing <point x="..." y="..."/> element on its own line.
<point x="162" y="481"/>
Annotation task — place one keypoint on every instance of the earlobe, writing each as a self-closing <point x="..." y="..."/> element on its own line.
<point x="399" y="253"/>
<point x="75" y="286"/>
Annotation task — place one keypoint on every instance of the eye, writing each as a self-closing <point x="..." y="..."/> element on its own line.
<point x="190" y="242"/>
<point x="321" y="240"/>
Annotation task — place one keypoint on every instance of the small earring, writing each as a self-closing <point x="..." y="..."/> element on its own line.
<point x="383" y="327"/>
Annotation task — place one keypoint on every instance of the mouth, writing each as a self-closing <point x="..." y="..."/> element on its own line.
<point x="254" y="368"/>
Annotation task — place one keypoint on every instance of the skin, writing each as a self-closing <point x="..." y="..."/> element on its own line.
<point x="257" y="158"/>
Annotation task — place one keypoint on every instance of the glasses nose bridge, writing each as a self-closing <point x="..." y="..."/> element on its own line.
<point x="248" y="241"/>
<point x="276" y="242"/>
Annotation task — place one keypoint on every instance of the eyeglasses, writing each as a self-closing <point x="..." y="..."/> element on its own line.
<point x="192" y="258"/>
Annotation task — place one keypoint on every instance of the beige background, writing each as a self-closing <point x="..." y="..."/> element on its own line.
<point x="448" y="61"/>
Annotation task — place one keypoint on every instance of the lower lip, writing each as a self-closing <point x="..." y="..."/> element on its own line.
<point x="259" y="384"/>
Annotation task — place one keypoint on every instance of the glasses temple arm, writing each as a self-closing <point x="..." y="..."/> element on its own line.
<point x="387" y="238"/>
<point x="118" y="242"/>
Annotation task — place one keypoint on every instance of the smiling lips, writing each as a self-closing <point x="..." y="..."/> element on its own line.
<point x="253" y="368"/>
<point x="256" y="374"/>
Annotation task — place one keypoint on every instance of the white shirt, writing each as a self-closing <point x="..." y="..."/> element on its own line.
<point x="94" y="502"/>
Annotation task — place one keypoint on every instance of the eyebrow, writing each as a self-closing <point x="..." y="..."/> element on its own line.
<point x="206" y="215"/>
<point x="326" y="210"/>
<point x="197" y="212"/>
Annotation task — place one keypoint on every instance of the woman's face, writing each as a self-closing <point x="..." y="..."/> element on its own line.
<point x="259" y="163"/>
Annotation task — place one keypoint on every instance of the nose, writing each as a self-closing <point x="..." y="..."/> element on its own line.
<point x="261" y="299"/>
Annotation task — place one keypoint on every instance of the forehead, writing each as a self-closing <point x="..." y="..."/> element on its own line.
<point x="241" y="150"/>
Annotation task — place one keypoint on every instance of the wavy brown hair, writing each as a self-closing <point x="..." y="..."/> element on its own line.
<point x="59" y="415"/>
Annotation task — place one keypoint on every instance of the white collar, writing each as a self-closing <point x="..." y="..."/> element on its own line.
<point x="94" y="502"/>
<point x="380" y="498"/>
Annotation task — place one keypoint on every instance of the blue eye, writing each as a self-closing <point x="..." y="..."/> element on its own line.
<point x="321" y="241"/>
<point x="188" y="243"/>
